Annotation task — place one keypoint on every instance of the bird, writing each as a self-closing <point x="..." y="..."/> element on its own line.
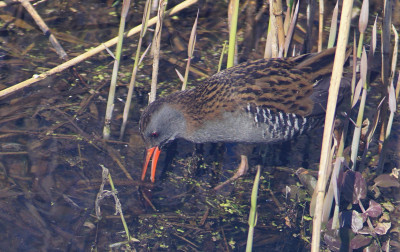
<point x="259" y="101"/>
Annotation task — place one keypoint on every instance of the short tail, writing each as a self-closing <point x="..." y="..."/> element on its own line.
<point x="320" y="63"/>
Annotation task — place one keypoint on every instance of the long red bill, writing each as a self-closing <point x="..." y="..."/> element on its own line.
<point x="153" y="154"/>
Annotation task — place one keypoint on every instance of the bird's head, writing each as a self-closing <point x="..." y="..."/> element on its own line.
<point x="161" y="122"/>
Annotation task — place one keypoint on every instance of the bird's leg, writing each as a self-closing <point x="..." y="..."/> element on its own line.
<point x="243" y="168"/>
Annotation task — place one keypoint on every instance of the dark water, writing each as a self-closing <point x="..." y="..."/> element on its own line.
<point x="51" y="144"/>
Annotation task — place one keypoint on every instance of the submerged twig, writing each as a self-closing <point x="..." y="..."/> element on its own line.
<point x="42" y="25"/>
<point x="106" y="177"/>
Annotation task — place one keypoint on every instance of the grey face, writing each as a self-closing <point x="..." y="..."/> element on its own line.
<point x="160" y="124"/>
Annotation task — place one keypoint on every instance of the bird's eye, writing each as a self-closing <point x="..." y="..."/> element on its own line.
<point x="154" y="134"/>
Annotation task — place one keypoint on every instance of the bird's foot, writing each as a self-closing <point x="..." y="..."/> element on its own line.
<point x="243" y="168"/>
